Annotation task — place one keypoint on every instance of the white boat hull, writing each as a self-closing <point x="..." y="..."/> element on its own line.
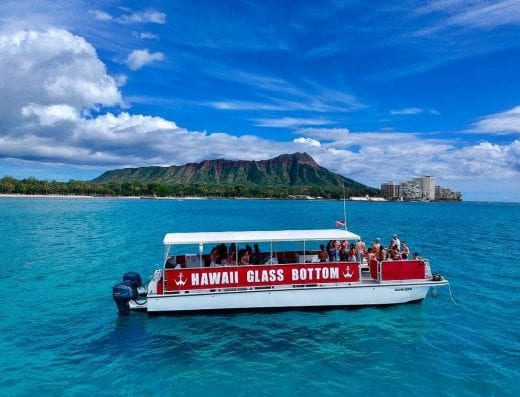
<point x="295" y="297"/>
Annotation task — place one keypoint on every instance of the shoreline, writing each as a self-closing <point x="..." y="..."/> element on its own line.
<point x="75" y="197"/>
<point x="14" y="195"/>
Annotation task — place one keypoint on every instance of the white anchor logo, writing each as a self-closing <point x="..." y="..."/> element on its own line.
<point x="348" y="274"/>
<point x="180" y="282"/>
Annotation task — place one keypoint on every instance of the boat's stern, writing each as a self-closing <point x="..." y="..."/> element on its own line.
<point x="130" y="294"/>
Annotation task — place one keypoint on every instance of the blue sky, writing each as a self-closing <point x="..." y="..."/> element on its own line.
<point x="373" y="91"/>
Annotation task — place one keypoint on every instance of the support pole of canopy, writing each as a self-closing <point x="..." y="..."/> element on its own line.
<point x="166" y="252"/>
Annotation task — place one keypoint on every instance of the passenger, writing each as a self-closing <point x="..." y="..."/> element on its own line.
<point x="257" y="256"/>
<point x="361" y="250"/>
<point x="214" y="257"/>
<point x="381" y="254"/>
<point x="223" y="252"/>
<point x="323" y="255"/>
<point x="243" y="254"/>
<point x="396" y="255"/>
<point x="337" y="251"/>
<point x="416" y="256"/>
<point x="232" y="257"/>
<point x="352" y="253"/>
<point x="331" y="249"/>
<point x="170" y="263"/>
<point x="344" y="245"/>
<point x="377" y="244"/>
<point x="343" y="254"/>
<point x="330" y="245"/>
<point x="370" y="254"/>
<point x="397" y="242"/>
<point x="405" y="250"/>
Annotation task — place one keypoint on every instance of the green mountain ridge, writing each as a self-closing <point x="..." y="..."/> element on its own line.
<point x="298" y="170"/>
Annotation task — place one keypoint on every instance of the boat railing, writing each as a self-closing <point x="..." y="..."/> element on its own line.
<point x="398" y="270"/>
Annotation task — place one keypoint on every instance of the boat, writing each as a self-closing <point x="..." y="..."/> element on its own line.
<point x="289" y="275"/>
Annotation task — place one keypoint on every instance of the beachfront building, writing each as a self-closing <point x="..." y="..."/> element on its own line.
<point x="391" y="190"/>
<point x="411" y="191"/>
<point x="427" y="184"/>
<point x="446" y="194"/>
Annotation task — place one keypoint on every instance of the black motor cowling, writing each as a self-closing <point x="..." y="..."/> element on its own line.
<point x="128" y="290"/>
<point x="122" y="294"/>
<point x="133" y="280"/>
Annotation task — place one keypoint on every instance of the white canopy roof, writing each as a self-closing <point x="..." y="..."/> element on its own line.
<point x="258" y="236"/>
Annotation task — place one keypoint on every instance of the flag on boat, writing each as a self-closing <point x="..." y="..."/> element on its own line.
<point x="340" y="223"/>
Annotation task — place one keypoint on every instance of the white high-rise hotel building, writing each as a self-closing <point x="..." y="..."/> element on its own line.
<point x="427" y="184"/>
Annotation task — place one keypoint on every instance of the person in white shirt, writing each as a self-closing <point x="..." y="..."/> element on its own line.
<point x="397" y="242"/>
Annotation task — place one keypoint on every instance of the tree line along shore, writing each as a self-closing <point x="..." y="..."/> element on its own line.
<point x="33" y="186"/>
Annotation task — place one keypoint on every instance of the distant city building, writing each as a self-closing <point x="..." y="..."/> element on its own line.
<point x="411" y="190"/>
<point x="420" y="188"/>
<point x="427" y="184"/>
<point x="391" y="190"/>
<point x="442" y="193"/>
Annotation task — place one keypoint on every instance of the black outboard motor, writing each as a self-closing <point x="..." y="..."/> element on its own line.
<point x="125" y="292"/>
<point x="122" y="294"/>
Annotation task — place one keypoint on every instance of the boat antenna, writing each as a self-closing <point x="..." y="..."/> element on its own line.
<point x="344" y="207"/>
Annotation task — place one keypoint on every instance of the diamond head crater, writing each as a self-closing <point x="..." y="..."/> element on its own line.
<point x="286" y="176"/>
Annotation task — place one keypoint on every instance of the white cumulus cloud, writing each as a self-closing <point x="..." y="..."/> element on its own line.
<point x="507" y="122"/>
<point x="139" y="58"/>
<point x="49" y="68"/>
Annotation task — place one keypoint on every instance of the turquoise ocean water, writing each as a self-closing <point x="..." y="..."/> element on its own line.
<point x="60" y="333"/>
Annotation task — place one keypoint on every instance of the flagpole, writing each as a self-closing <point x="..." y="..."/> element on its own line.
<point x="344" y="207"/>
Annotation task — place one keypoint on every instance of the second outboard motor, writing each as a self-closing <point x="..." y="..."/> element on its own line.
<point x="122" y="294"/>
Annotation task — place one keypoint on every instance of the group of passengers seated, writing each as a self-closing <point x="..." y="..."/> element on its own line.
<point x="221" y="256"/>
